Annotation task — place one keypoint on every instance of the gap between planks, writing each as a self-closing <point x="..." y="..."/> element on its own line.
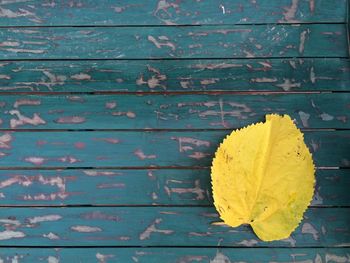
<point x="136" y="168"/>
<point x="140" y="93"/>
<point x="129" y="205"/>
<point x="166" y="58"/>
<point x="179" y="26"/>
<point x="190" y="246"/>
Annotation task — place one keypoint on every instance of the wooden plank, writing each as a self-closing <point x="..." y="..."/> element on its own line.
<point x="309" y="40"/>
<point x="143" y="149"/>
<point x="149" y="187"/>
<point x="157" y="226"/>
<point x="165" y="12"/>
<point x="171" y="111"/>
<point x="176" y="75"/>
<point x="175" y="255"/>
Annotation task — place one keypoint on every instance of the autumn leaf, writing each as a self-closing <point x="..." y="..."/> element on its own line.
<point x="263" y="175"/>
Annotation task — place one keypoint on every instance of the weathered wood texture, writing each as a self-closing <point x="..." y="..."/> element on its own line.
<point x="170" y="111"/>
<point x="175" y="255"/>
<point x="137" y="148"/>
<point x="176" y="75"/>
<point x="158" y="226"/>
<point x="148" y="187"/>
<point x="310" y="40"/>
<point x="165" y="12"/>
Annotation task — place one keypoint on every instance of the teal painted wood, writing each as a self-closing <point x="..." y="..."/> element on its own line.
<point x="175" y="255"/>
<point x="133" y="148"/>
<point x="171" y="111"/>
<point x="164" y="12"/>
<point x="311" y="40"/>
<point x="148" y="187"/>
<point x="158" y="226"/>
<point x="176" y="75"/>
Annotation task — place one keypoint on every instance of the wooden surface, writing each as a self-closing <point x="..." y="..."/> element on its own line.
<point x="110" y="115"/>
<point x="307" y="74"/>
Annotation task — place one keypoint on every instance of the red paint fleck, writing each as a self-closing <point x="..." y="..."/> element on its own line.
<point x="26" y="102"/>
<point x="70" y="119"/>
<point x="108" y="140"/>
<point x="5" y="141"/>
<point x="198" y="155"/>
<point x="68" y="159"/>
<point x="111" y="105"/>
<point x="79" y="145"/>
<point x="140" y="154"/>
<point x="41" y="142"/>
<point x="35" y="160"/>
<point x="103" y="186"/>
<point x="99" y="215"/>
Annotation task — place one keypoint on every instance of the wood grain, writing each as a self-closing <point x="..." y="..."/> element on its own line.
<point x="170" y="111"/>
<point x="134" y="148"/>
<point x="169" y="12"/>
<point x="157" y="226"/>
<point x="318" y="74"/>
<point x="175" y="255"/>
<point x="308" y="40"/>
<point x="148" y="187"/>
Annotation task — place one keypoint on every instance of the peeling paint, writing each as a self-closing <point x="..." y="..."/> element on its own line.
<point x="8" y="234"/>
<point x="23" y="120"/>
<point x="303" y="37"/>
<point x="5" y="141"/>
<point x="102" y="258"/>
<point x="51" y="236"/>
<point x="81" y="76"/>
<point x="197" y="190"/>
<point x="159" y="44"/>
<point x="288" y="85"/>
<point x="142" y="156"/>
<point x="191" y="141"/>
<point x="71" y="120"/>
<point x="152" y="229"/>
<point x="86" y="229"/>
<point x="21" y="102"/>
<point x="39" y="219"/>
<point x="326" y="117"/>
<point x="220" y="258"/>
<point x="52" y="259"/>
<point x="248" y="243"/>
<point x="290" y="12"/>
<point x="304" y="117"/>
<point x="309" y="229"/>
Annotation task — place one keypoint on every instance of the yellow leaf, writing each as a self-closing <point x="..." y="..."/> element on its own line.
<point x="263" y="175"/>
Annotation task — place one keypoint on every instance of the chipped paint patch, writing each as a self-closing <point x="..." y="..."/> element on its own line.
<point x="162" y="41"/>
<point x="290" y="12"/>
<point x="304" y="117"/>
<point x="142" y="156"/>
<point x="220" y="258"/>
<point x="51" y="236"/>
<point x="8" y="234"/>
<point x="35" y="160"/>
<point x="70" y="120"/>
<point x="309" y="229"/>
<point x="23" y="120"/>
<point x="152" y="229"/>
<point x="81" y="76"/>
<point x="21" y="102"/>
<point x="52" y="259"/>
<point x="5" y="141"/>
<point x="326" y="117"/>
<point x="102" y="258"/>
<point x="303" y="37"/>
<point x="86" y="229"/>
<point x="39" y="219"/>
